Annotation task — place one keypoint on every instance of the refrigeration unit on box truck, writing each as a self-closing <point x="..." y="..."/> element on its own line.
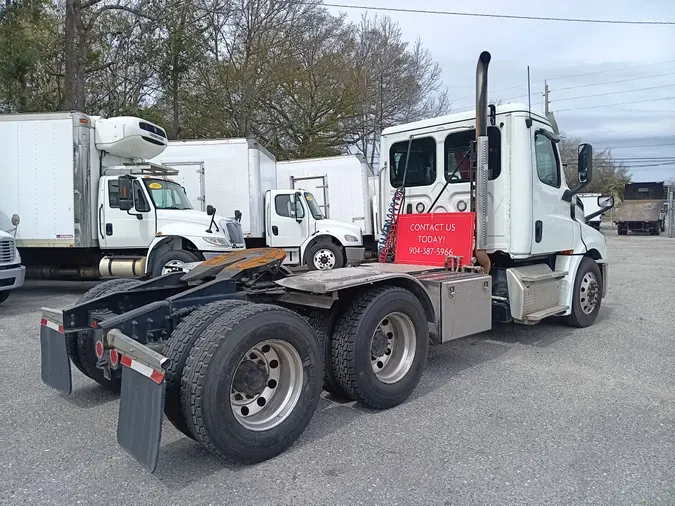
<point x="239" y="177"/>
<point x="90" y="204"/>
<point x="344" y="186"/>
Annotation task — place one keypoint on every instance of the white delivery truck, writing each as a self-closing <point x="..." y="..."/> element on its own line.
<point x="239" y="176"/>
<point x="12" y="273"/>
<point x="345" y="188"/>
<point x="90" y="204"/>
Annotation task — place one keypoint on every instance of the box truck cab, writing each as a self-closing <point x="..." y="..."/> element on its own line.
<point x="63" y="173"/>
<point x="239" y="176"/>
<point x="12" y="273"/>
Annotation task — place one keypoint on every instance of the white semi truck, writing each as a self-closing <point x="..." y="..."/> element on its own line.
<point x="345" y="188"/>
<point x="239" y="176"/>
<point x="91" y="204"/>
<point x="235" y="351"/>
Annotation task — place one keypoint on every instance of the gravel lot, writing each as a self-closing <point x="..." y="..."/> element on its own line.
<point x="520" y="415"/>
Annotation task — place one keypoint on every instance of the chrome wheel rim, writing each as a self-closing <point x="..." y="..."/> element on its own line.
<point x="173" y="266"/>
<point x="393" y="347"/>
<point x="324" y="259"/>
<point x="588" y="293"/>
<point x="266" y="385"/>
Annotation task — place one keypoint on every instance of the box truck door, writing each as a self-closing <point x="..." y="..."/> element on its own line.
<point x="121" y="229"/>
<point x="191" y="177"/>
<point x="317" y="186"/>
<point x="289" y="222"/>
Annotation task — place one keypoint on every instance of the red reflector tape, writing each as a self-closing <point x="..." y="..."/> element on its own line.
<point x="149" y="372"/>
<point x="54" y="326"/>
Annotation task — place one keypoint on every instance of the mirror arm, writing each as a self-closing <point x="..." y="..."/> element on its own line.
<point x="598" y="213"/>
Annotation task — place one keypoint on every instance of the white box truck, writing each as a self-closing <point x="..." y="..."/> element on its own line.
<point x="90" y="204"/>
<point x="239" y="176"/>
<point x="345" y="188"/>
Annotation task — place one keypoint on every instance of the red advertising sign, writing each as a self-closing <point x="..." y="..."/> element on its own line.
<point x="428" y="239"/>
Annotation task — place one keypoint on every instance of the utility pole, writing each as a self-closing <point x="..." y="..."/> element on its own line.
<point x="546" y="101"/>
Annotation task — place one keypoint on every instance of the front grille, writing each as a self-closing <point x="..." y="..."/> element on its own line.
<point x="152" y="128"/>
<point x="235" y="231"/>
<point x="7" y="251"/>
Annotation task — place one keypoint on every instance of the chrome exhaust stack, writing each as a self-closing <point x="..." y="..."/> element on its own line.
<point x="482" y="170"/>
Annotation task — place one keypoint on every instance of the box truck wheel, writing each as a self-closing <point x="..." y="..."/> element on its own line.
<point x="252" y="382"/>
<point x="325" y="256"/>
<point x="380" y="345"/>
<point x="587" y="295"/>
<point x="177" y="257"/>
<point x="80" y="346"/>
<point x="177" y="349"/>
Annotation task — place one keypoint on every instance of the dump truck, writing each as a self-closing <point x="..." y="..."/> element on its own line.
<point x="643" y="209"/>
<point x="235" y="349"/>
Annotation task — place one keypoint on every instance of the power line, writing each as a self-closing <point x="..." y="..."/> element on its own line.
<point x="500" y="16"/>
<point x="613" y="93"/>
<point x="612" y="105"/>
<point x="672" y="144"/>
<point x="613" y="82"/>
<point x="581" y="75"/>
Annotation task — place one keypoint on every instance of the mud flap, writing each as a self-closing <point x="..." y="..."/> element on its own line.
<point x="55" y="364"/>
<point x="139" y="426"/>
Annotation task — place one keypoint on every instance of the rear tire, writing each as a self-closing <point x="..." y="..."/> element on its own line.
<point x="180" y="256"/>
<point x="323" y="323"/>
<point x="81" y="346"/>
<point x="177" y="350"/>
<point x="385" y="329"/>
<point x="241" y="351"/>
<point x="587" y="296"/>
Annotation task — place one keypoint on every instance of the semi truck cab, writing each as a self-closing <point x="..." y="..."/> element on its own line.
<point x="294" y="217"/>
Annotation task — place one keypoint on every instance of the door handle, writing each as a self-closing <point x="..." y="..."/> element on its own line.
<point x="100" y="221"/>
<point x="108" y="229"/>
<point x="538" y="230"/>
<point x="275" y="230"/>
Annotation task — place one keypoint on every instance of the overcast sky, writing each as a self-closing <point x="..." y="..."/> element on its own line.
<point x="556" y="51"/>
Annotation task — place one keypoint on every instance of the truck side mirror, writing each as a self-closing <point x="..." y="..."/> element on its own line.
<point x="584" y="169"/>
<point x="126" y="199"/>
<point x="585" y="163"/>
<point x="210" y="210"/>
<point x="606" y="201"/>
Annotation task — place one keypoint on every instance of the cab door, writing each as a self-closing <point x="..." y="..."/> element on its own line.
<point x="288" y="224"/>
<point x="553" y="227"/>
<point x="121" y="229"/>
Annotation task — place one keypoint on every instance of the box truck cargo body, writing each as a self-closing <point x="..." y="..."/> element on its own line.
<point x="239" y="178"/>
<point x="344" y="186"/>
<point x="62" y="173"/>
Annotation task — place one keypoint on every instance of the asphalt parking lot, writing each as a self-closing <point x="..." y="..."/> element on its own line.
<point x="520" y="415"/>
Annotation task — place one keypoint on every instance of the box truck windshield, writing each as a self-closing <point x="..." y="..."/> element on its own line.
<point x="314" y="207"/>
<point x="167" y="194"/>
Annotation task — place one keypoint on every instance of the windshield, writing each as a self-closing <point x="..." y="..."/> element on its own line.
<point x="167" y="194"/>
<point x="314" y="207"/>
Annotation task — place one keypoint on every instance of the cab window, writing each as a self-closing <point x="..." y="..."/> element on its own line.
<point x="421" y="162"/>
<point x="283" y="205"/>
<point x="458" y="158"/>
<point x="548" y="165"/>
<point x="113" y="193"/>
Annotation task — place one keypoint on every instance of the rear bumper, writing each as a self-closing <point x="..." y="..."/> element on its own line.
<point x="12" y="278"/>
<point x="355" y="255"/>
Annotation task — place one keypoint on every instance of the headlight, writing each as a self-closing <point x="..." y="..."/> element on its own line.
<point x="351" y="238"/>
<point x="217" y="241"/>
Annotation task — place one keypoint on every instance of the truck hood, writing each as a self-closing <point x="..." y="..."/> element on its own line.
<point x="188" y="216"/>
<point x="338" y="228"/>
<point x="5" y="235"/>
